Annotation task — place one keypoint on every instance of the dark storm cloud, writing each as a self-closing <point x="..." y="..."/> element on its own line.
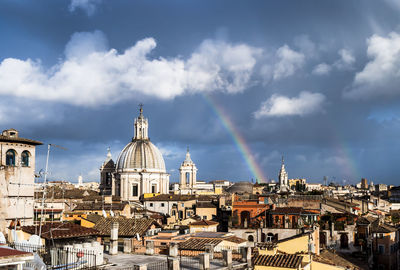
<point x="344" y="139"/>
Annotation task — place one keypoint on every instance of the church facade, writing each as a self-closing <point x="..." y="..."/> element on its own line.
<point x="139" y="169"/>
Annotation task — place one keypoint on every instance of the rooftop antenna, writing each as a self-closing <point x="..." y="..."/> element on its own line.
<point x="45" y="182"/>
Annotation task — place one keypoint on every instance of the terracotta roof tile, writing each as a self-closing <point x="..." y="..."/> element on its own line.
<point x="204" y="222"/>
<point x="235" y="239"/>
<point x="10" y="253"/>
<point x="294" y="210"/>
<point x="60" y="230"/>
<point x="128" y="227"/>
<point x="198" y="243"/>
<point x="19" y="140"/>
<point x="278" y="260"/>
<point x="100" y="206"/>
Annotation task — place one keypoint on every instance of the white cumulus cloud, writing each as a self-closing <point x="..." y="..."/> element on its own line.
<point x="345" y="61"/>
<point x="278" y="105"/>
<point x="89" y="6"/>
<point x="91" y="74"/>
<point x="288" y="62"/>
<point x="381" y="75"/>
<point x="322" y="69"/>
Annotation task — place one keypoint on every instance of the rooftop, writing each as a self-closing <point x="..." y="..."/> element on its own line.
<point x="177" y="197"/>
<point x="100" y="206"/>
<point x="278" y="260"/>
<point x="58" y="230"/>
<point x="11" y="135"/>
<point x="127" y="226"/>
<point x="204" y="222"/>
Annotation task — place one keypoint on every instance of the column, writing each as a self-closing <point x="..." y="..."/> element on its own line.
<point x="173" y="249"/>
<point x="127" y="245"/>
<point x="204" y="261"/>
<point x="227" y="257"/>
<point x="149" y="247"/>
<point x="114" y="239"/>
<point x="173" y="264"/>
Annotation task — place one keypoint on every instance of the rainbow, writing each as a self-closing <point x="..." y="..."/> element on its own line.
<point x="238" y="139"/>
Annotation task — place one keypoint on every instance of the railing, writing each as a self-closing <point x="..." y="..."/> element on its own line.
<point x="163" y="265"/>
<point x="189" y="263"/>
<point x="57" y="258"/>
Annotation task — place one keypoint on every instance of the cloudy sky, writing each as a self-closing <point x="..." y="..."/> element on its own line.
<point x="315" y="81"/>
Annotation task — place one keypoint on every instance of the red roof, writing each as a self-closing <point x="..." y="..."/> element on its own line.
<point x="204" y="222"/>
<point x="8" y="252"/>
<point x="58" y="230"/>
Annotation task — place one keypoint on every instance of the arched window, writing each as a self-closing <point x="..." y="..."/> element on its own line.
<point x="25" y="159"/>
<point x="10" y="157"/>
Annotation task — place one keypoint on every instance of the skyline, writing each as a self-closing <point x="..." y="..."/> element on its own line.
<point x="240" y="83"/>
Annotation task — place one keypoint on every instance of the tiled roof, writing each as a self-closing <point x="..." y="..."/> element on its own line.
<point x="366" y="220"/>
<point x="198" y="243"/>
<point x="60" y="230"/>
<point x="382" y="228"/>
<point x="128" y="227"/>
<point x="235" y="239"/>
<point x="278" y="260"/>
<point x="6" y="253"/>
<point x="266" y="245"/>
<point x="173" y="197"/>
<point x="99" y="206"/>
<point x="294" y="211"/>
<point x="329" y="257"/>
<point x="19" y="140"/>
<point x="205" y="205"/>
<point x="58" y="193"/>
<point x="204" y="222"/>
<point x="93" y="218"/>
<point x="177" y="197"/>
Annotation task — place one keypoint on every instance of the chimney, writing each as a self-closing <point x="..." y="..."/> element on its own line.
<point x="114" y="238"/>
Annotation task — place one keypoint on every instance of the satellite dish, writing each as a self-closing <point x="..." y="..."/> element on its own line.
<point x="137" y="236"/>
<point x="104" y="213"/>
<point x="34" y="240"/>
<point x="111" y="213"/>
<point x="2" y="238"/>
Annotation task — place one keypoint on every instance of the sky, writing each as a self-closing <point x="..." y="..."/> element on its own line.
<point x="241" y="83"/>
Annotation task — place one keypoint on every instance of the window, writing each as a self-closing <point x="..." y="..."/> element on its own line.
<point x="151" y="204"/>
<point x="25" y="159"/>
<point x="162" y="204"/>
<point x="154" y="188"/>
<point x="10" y="157"/>
<point x="381" y="249"/>
<point x="251" y="238"/>
<point x="108" y="178"/>
<point x="173" y="213"/>
<point x="204" y="217"/>
<point x="134" y="190"/>
<point x="182" y="204"/>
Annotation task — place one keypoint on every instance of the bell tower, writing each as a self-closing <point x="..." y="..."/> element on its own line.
<point x="283" y="175"/>
<point x="188" y="172"/>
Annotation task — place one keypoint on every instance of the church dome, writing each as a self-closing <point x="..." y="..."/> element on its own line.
<point x="240" y="188"/>
<point x="140" y="155"/>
